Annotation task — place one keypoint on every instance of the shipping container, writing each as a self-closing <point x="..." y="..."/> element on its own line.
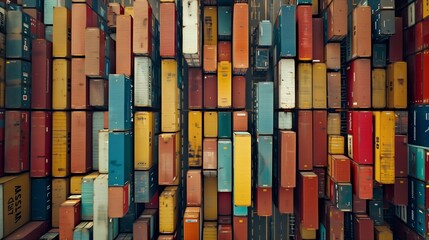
<point x="285" y="84"/>
<point x="168" y="30"/>
<point x="210" y="154"/>
<point x="361" y="40"/>
<point x="285" y="201"/>
<point x="81" y="151"/>
<point x="41" y="203"/>
<point x="264" y="202"/>
<point x="101" y="219"/>
<point x="319" y="86"/>
<point x="285" y="32"/>
<point x="417" y="125"/>
<point x="17" y="84"/>
<point x="210" y="197"/>
<point x="225" y="204"/>
<point x="224" y="165"/>
<point x="61" y="47"/>
<point x="120" y="158"/>
<point x="318" y="48"/>
<point x="224" y="22"/>
<point x="17" y="22"/>
<point x="81" y="18"/>
<point x="238" y="92"/>
<point x="79" y="84"/>
<point x="224" y="50"/>
<point x="401" y="156"/>
<point x="32" y="231"/>
<point x="334" y="124"/>
<point x="225" y="232"/>
<point x="240" y="38"/>
<point x="305" y="86"/>
<point x="379" y="97"/>
<point x="60" y="192"/>
<point x="70" y="213"/>
<point x="284" y="120"/>
<point x="144" y="92"/>
<point x="76" y="184"/>
<point x="210" y="91"/>
<point x="305" y="32"/>
<point x="224" y="124"/>
<point x="120" y="102"/>
<point x="362" y="180"/>
<point x="395" y="51"/>
<point x="264" y="37"/>
<point x="359" y="83"/>
<point x="124" y="26"/>
<point x="98" y="93"/>
<point x="195" y="140"/>
<point x="242" y="169"/>
<point x="334" y="89"/>
<point x="99" y="143"/>
<point x="192" y="38"/>
<point x="210" y="59"/>
<point x="287" y="158"/>
<point x="17" y="141"/>
<point x="340" y="168"/>
<point x="195" y="88"/>
<point x="240" y="228"/>
<point x="83" y="230"/>
<point x="41" y="74"/>
<point x="321" y="177"/>
<point x="334" y="220"/>
<point x="103" y="161"/>
<point x="308" y="207"/>
<point x="87" y="199"/>
<point x="379" y="53"/>
<point x="384" y="25"/>
<point x="397" y="193"/>
<point x="142" y="28"/>
<point x="210" y="124"/>
<point x="337" y="20"/>
<point x="397" y="85"/>
<point x="194" y="193"/>
<point x="169" y="96"/>
<point x="224" y="85"/>
<point x="169" y="152"/>
<point x="145" y="185"/>
<point x="192" y="223"/>
<point x="264" y="104"/>
<point x="210" y="231"/>
<point x="119" y="200"/>
<point x="144" y="140"/>
<point x="265" y="161"/>
<point x="359" y="138"/>
<point x="333" y="56"/>
<point x="61" y="75"/>
<point x="240" y="121"/>
<point x="320" y="140"/>
<point x="94" y="52"/>
<point x="305" y="133"/>
<point x="41" y="146"/>
<point x="343" y="196"/>
<point x="384" y="129"/>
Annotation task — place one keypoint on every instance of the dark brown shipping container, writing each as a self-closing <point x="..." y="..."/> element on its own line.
<point x="337" y="20"/>
<point x="210" y="91"/>
<point x="401" y="156"/>
<point x="239" y="121"/>
<point x="98" y="92"/>
<point x="41" y="138"/>
<point x="167" y="30"/>
<point x="305" y="32"/>
<point x="318" y="48"/>
<point x="124" y="46"/>
<point x="287" y="157"/>
<point x="31" y="231"/>
<point x="81" y="142"/>
<point x="141" y="229"/>
<point x="308" y="201"/>
<point x="340" y="168"/>
<point x="79" y="84"/>
<point x="238" y="92"/>
<point x="195" y="88"/>
<point x="333" y="56"/>
<point x="168" y="237"/>
<point x="194" y="193"/>
<point x="210" y="154"/>
<point x="359" y="205"/>
<point x="2" y="125"/>
<point x="95" y="52"/>
<point x="41" y="74"/>
<point x="305" y="140"/>
<point x="240" y="227"/>
<point x="167" y="158"/>
<point x="264" y="202"/>
<point x="361" y="39"/>
<point x="286" y="200"/>
<point x="363" y="227"/>
<point x="225" y="204"/>
<point x="359" y="83"/>
<point x="142" y="28"/>
<point x="397" y="193"/>
<point x="17" y="141"/>
<point x="224" y="232"/>
<point x="334" y="221"/>
<point x="210" y="58"/>
<point x="321" y="176"/>
<point x="320" y="138"/>
<point x="334" y="90"/>
<point x="224" y="51"/>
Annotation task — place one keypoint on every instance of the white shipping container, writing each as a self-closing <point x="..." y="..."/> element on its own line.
<point x="97" y="125"/>
<point x="143" y="82"/>
<point x="286" y="78"/>
<point x="101" y="218"/>
<point x="103" y="151"/>
<point x="412" y="14"/>
<point x="192" y="44"/>
<point x="285" y="120"/>
<point x="191" y="12"/>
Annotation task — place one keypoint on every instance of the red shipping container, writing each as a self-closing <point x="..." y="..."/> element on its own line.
<point x="359" y="129"/>
<point x="359" y="205"/>
<point x="17" y="141"/>
<point x="425" y="80"/>
<point x="340" y="168"/>
<point x="330" y="191"/>
<point x="264" y="202"/>
<point x="81" y="142"/>
<point x="195" y="88"/>
<point x="118" y="201"/>
<point x="194" y="193"/>
<point x="418" y="38"/>
<point x="224" y="51"/>
<point x="224" y="232"/>
<point x="318" y="48"/>
<point x="305" y="140"/>
<point x="79" y="85"/>
<point x="285" y="200"/>
<point x="414" y="72"/>
<point x="141" y="228"/>
<point x="363" y="227"/>
<point x="305" y="32"/>
<point x="225" y="203"/>
<point x="359" y="83"/>
<point x="167" y="30"/>
<point x="239" y="121"/>
<point x="210" y="154"/>
<point x="142" y="28"/>
<point x="167" y="158"/>
<point x="34" y="13"/>
<point x="238" y="92"/>
<point x="2" y="122"/>
<point x="41" y="74"/>
<point x="321" y="176"/>
<point x="320" y="138"/>
<point x="41" y="146"/>
<point x="397" y="193"/>
<point x="31" y="231"/>
<point x="210" y="91"/>
<point x="401" y="156"/>
<point x="418" y="10"/>
<point x="308" y="201"/>
<point x="240" y="227"/>
<point x="124" y="44"/>
<point x="154" y="202"/>
<point x="287" y="156"/>
<point x="395" y="51"/>
<point x="362" y="180"/>
<point x="70" y="212"/>
<point x="37" y="28"/>
<point x="426" y="33"/>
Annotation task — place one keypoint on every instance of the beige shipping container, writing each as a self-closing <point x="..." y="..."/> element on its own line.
<point x="334" y="124"/>
<point x="210" y="198"/>
<point x="319" y="85"/>
<point x="378" y="88"/>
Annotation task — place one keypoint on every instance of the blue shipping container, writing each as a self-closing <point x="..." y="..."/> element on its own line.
<point x="41" y="199"/>
<point x="285" y="32"/>
<point x="265" y="161"/>
<point x="224" y="18"/>
<point x="146" y="184"/>
<point x="48" y="13"/>
<point x="421" y="220"/>
<point x="418" y="125"/>
<point x="343" y="196"/>
<point x="375" y="211"/>
<point x="322" y="232"/>
<point x="264" y="108"/>
<point x="224" y="165"/>
<point x="18" y="46"/>
<point x="83" y="231"/>
<point x="265" y="37"/>
<point x="18" y="22"/>
<point x="262" y="59"/>
<point x="120" y="157"/>
<point x="120" y="102"/>
<point x="17" y="84"/>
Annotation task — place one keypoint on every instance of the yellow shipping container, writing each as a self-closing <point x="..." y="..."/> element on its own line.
<point x="15" y="193"/>
<point x="307" y="233"/>
<point x="129" y="11"/>
<point x="144" y="135"/>
<point x="210" y="197"/>
<point x="210" y="124"/>
<point x="60" y="144"/>
<point x="210" y="231"/>
<point x="210" y="25"/>
<point x="319" y="85"/>
<point x="378" y="88"/>
<point x="335" y="144"/>
<point x="224" y="85"/>
<point x="305" y="86"/>
<point x="315" y="7"/>
<point x="170" y="119"/>
<point x="334" y="124"/>
<point x="61" y="84"/>
<point x="384" y="129"/>
<point x="195" y="138"/>
<point x="61" y="33"/>
<point x="168" y="210"/>
<point x="425" y="8"/>
<point x="242" y="168"/>
<point x="397" y="85"/>
<point x="60" y="192"/>
<point x="76" y="184"/>
<point x="383" y="233"/>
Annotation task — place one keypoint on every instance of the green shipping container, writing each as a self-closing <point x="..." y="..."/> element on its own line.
<point x="224" y="22"/>
<point x="17" y="85"/>
<point x="375" y="211"/>
<point x="224" y="166"/>
<point x="265" y="161"/>
<point x="343" y="196"/>
<point x="18" y="46"/>
<point x="224" y="125"/>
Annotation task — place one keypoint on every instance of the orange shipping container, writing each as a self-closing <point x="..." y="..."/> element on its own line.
<point x="239" y="121"/>
<point x="142" y="28"/>
<point x="94" y="52"/>
<point x="119" y="201"/>
<point x="305" y="32"/>
<point x="79" y="84"/>
<point x="240" y="39"/>
<point x="333" y="56"/>
<point x="337" y="19"/>
<point x="361" y="40"/>
<point x="210" y="58"/>
<point x="167" y="30"/>
<point x="194" y="192"/>
<point x="124" y="32"/>
<point x="80" y="21"/>
<point x="192" y="223"/>
<point x="168" y="152"/>
<point x="81" y="142"/>
<point x="69" y="217"/>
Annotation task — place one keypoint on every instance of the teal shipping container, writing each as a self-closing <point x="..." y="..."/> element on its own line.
<point x="265" y="161"/>
<point x="48" y="33"/>
<point x="37" y="4"/>
<point x="418" y="123"/>
<point x="322" y="232"/>
<point x="42" y="199"/>
<point x="422" y="218"/>
<point x="265" y="36"/>
<point x="120" y="102"/>
<point x="83" y="231"/>
<point x="417" y="161"/>
<point x="126" y="222"/>
<point x="239" y="210"/>
<point x="375" y="211"/>
<point x="224" y="18"/>
<point x="285" y="32"/>
<point x="379" y="52"/>
<point x="420" y="194"/>
<point x="48" y="13"/>
<point x="303" y="2"/>
<point x="377" y="5"/>
<point x="18" y="46"/>
<point x="18" y="22"/>
<point x="262" y="59"/>
<point x="224" y="124"/>
<point x="264" y="105"/>
<point x="224" y="165"/>
<point x="225" y="2"/>
<point x="17" y="85"/>
<point x="97" y="125"/>
<point x="146" y="184"/>
<point x="87" y="199"/>
<point x="343" y="196"/>
<point x="120" y="157"/>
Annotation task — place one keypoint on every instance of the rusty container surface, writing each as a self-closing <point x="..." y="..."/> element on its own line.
<point x="79" y="84"/>
<point x="285" y="200"/>
<point x="334" y="89"/>
<point x="210" y="154"/>
<point x="41" y="146"/>
<point x="81" y="142"/>
<point x="239" y="121"/>
<point x="363" y="227"/>
<point x="287" y="157"/>
<point x="320" y="138"/>
<point x="305" y="140"/>
<point x="238" y="92"/>
<point x="264" y="202"/>
<point x="240" y="227"/>
<point x="41" y="74"/>
<point x="318" y="48"/>
<point x="167" y="30"/>
<point x="167" y="153"/>
<point x="361" y="39"/>
<point x="210" y="91"/>
<point x="362" y="180"/>
<point x="240" y="38"/>
<point x="194" y="191"/>
<point x="195" y="88"/>
<point x="308" y="200"/>
<point x="333" y="56"/>
<point x="359" y="83"/>
<point x="224" y="51"/>
<point x="305" y="32"/>
<point x="124" y="47"/>
<point x="17" y="141"/>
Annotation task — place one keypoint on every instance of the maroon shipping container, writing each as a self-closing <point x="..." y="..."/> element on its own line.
<point x="321" y="176"/>
<point x="141" y="228"/>
<point x="1" y="143"/>
<point x="224" y="51"/>
<point x="308" y="201"/>
<point x="401" y="156"/>
<point x="17" y="141"/>
<point x="318" y="48"/>
<point x="397" y="193"/>
<point x="239" y="121"/>
<point x="167" y="30"/>
<point x="210" y="91"/>
<point x="240" y="227"/>
<point x="195" y="88"/>
<point x="409" y="35"/>
<point x="264" y="201"/>
<point x="41" y="74"/>
<point x="225" y="204"/>
<point x="425" y="33"/>
<point x="238" y="92"/>
<point x="418" y="37"/>
<point x="418" y="12"/>
<point x="37" y="28"/>
<point x="225" y="220"/>
<point x="330" y="191"/>
<point x="285" y="200"/>
<point x="414" y="72"/>
<point x="154" y="202"/>
<point x="224" y="232"/>
<point x="359" y="205"/>
<point x="210" y="154"/>
<point x="194" y="193"/>
<point x="363" y="227"/>
<point x="30" y="231"/>
<point x="395" y="51"/>
<point x="360" y="144"/>
<point x="305" y="140"/>
<point x="287" y="157"/>
<point x="81" y="142"/>
<point x="340" y="168"/>
<point x="305" y="32"/>
<point x="362" y="180"/>
<point x="334" y="90"/>
<point x="359" y="83"/>
<point x="320" y="138"/>
<point x="41" y="146"/>
<point x="334" y="221"/>
<point x="167" y="158"/>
